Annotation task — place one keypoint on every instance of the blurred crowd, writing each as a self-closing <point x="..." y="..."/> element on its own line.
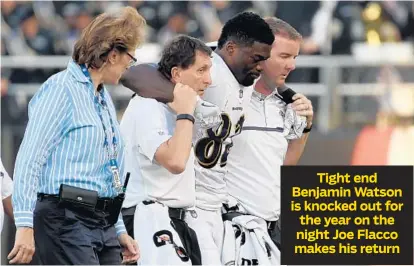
<point x="328" y="27"/>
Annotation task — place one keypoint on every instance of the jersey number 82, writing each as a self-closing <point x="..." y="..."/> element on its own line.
<point x="209" y="149"/>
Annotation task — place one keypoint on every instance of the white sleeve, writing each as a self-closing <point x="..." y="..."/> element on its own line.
<point x="7" y="183"/>
<point x="151" y="127"/>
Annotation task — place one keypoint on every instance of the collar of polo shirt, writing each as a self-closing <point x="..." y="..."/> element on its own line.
<point x="263" y="97"/>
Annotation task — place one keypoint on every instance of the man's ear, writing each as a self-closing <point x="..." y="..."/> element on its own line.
<point x="230" y="47"/>
<point x="175" y="75"/>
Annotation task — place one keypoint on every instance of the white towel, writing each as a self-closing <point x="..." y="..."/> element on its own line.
<point x="293" y="124"/>
<point x="247" y="242"/>
<point x="207" y="116"/>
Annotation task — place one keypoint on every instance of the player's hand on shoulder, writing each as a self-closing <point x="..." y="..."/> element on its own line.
<point x="185" y="99"/>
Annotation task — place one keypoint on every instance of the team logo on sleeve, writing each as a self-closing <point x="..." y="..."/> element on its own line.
<point x="164" y="237"/>
<point x="161" y="132"/>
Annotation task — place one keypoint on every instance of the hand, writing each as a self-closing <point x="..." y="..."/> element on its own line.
<point x="303" y="107"/>
<point x="24" y="248"/>
<point x="130" y="249"/>
<point x="185" y="99"/>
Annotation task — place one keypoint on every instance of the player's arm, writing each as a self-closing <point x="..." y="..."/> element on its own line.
<point x="148" y="82"/>
<point x="303" y="107"/>
<point x="171" y="152"/>
<point x="295" y="150"/>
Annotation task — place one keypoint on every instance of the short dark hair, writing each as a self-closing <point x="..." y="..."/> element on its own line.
<point x="246" y="28"/>
<point x="181" y="52"/>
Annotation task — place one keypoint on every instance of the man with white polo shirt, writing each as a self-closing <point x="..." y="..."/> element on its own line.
<point x="245" y="41"/>
<point x="253" y="176"/>
<point x="160" y="157"/>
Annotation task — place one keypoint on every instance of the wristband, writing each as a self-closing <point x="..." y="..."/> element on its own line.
<point x="307" y="130"/>
<point x="185" y="117"/>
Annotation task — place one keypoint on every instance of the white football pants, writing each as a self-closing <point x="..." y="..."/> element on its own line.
<point x="159" y="243"/>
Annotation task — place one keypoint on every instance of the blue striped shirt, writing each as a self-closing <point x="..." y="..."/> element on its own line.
<point x="64" y="144"/>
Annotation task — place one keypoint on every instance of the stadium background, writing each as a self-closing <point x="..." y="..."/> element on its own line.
<point x="356" y="65"/>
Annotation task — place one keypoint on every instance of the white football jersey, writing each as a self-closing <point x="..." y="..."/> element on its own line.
<point x="212" y="145"/>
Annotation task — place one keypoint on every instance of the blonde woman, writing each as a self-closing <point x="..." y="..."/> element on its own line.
<point x="70" y="166"/>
